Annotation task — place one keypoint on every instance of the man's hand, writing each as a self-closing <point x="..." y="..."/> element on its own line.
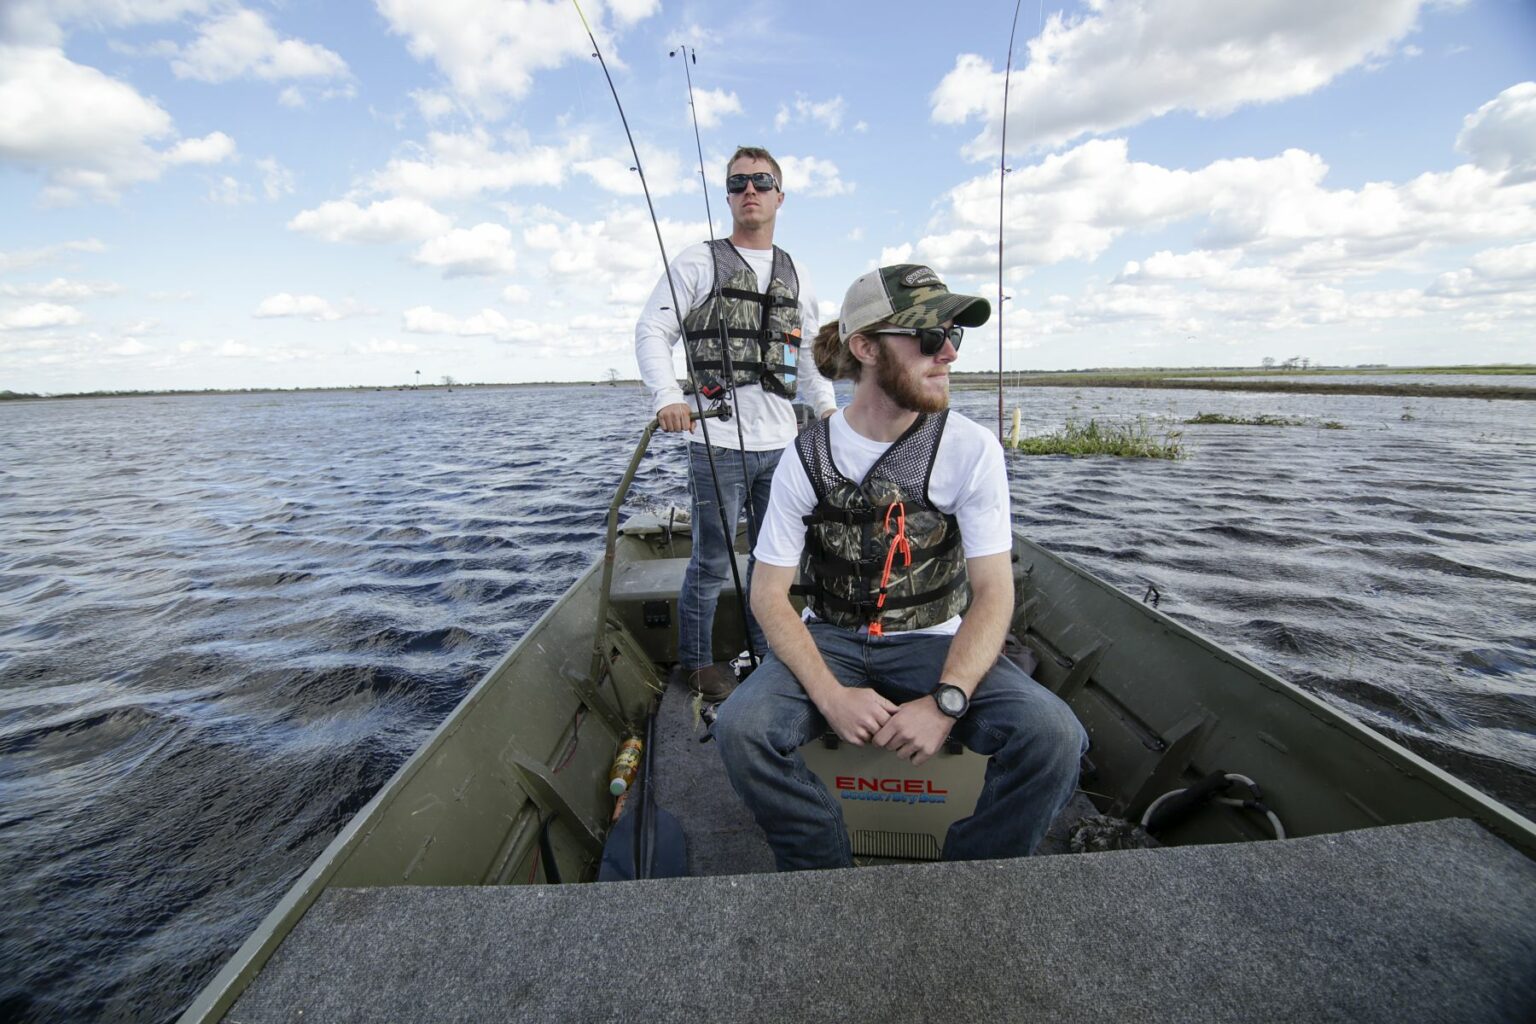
<point x="674" y="418"/>
<point x="916" y="731"/>
<point x="856" y="713"/>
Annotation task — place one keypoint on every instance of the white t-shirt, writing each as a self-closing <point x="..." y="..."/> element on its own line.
<point x="767" y="421"/>
<point x="969" y="481"/>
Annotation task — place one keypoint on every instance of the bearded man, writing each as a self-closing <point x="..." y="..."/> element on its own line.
<point x="895" y="514"/>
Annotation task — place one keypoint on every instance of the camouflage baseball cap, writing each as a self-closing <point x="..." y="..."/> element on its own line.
<point x="907" y="295"/>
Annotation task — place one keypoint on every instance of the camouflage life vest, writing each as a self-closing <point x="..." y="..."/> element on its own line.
<point x="849" y="563"/>
<point x="762" y="326"/>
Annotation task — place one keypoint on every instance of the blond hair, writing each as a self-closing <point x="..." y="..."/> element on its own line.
<point x="833" y="357"/>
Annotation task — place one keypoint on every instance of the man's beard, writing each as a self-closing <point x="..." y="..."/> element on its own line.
<point x="904" y="387"/>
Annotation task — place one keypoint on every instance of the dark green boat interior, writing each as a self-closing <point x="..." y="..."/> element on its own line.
<point x="419" y="909"/>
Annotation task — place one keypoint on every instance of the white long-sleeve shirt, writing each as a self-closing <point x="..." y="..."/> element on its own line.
<point x="767" y="421"/>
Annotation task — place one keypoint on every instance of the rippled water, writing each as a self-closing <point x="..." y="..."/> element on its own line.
<point x="226" y="620"/>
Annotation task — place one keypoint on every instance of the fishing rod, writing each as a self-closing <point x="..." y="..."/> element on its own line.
<point x="709" y="451"/>
<point x="726" y="369"/>
<point x="1002" y="177"/>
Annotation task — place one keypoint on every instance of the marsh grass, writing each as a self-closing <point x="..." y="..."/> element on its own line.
<point x="1137" y="440"/>
<point x="1262" y="421"/>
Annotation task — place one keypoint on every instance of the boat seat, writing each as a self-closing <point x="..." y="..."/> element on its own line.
<point x="1428" y="921"/>
<point x="644" y="597"/>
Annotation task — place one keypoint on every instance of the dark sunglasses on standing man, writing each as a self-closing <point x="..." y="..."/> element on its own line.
<point x="762" y="181"/>
<point x="929" y="339"/>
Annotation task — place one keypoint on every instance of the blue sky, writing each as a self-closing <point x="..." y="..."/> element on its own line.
<point x="197" y="193"/>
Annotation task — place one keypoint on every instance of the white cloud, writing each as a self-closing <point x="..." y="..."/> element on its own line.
<point x="619" y="251"/>
<point x="39" y="315"/>
<point x="311" y="307"/>
<point x="463" y="165"/>
<point x="20" y="260"/>
<point x="812" y="176"/>
<point x="1074" y="205"/>
<point x="490" y="52"/>
<point x="486" y="323"/>
<point x="484" y="250"/>
<point x="91" y="134"/>
<point x="1124" y="61"/>
<point x="383" y="347"/>
<point x="42" y="22"/>
<point x="710" y="105"/>
<point x="827" y="113"/>
<point x="129" y="347"/>
<point x="58" y="288"/>
<point x="627" y="12"/>
<point x="229" y="191"/>
<point x="210" y="149"/>
<point x="1500" y="136"/>
<point x="276" y="180"/>
<point x="241" y="44"/>
<point x="389" y="220"/>
<point x="1493" y="272"/>
<point x="665" y="173"/>
<point x="432" y="104"/>
<point x="515" y="295"/>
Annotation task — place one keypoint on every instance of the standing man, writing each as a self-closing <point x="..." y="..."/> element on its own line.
<point x="747" y="291"/>
<point x="895" y="512"/>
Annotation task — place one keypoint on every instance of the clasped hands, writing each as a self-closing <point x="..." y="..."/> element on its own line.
<point x="914" y="731"/>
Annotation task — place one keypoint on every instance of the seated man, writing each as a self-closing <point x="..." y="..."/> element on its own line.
<point x="896" y="514"/>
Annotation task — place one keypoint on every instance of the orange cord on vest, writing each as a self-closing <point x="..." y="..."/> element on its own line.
<point x="898" y="543"/>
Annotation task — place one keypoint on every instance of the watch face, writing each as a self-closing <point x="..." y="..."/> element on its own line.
<point x="951" y="700"/>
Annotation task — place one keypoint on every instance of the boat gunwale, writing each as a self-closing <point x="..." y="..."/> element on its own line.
<point x="237" y="972"/>
<point x="1505" y="822"/>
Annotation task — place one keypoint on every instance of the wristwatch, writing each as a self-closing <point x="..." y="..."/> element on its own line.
<point x="951" y="700"/>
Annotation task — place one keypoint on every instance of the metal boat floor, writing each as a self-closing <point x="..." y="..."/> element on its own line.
<point x="1430" y="921"/>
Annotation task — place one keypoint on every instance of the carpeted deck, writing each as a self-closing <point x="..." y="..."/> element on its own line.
<point x="1426" y="922"/>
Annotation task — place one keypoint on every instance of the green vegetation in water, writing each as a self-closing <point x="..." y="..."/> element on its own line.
<point x="1262" y="420"/>
<point x="1129" y="440"/>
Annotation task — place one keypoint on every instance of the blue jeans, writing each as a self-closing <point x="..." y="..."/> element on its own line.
<point x="1034" y="741"/>
<point x="709" y="569"/>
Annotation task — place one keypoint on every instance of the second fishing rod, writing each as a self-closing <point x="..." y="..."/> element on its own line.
<point x="727" y="528"/>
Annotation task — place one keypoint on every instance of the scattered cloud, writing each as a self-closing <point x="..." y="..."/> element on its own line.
<point x="310" y="307"/>
<point x="276" y="180"/>
<point x="1073" y="205"/>
<point x="710" y="105"/>
<point x="489" y="53"/>
<point x="464" y="165"/>
<point x="38" y="316"/>
<point x="484" y="250"/>
<point x="1500" y="136"/>
<point x="241" y="44"/>
<point x="383" y="347"/>
<point x="22" y="259"/>
<point x="665" y="172"/>
<point x="827" y="113"/>
<point x="389" y="220"/>
<point x="59" y="288"/>
<point x="1126" y="61"/>
<point x="92" y="135"/>
<point x="812" y="176"/>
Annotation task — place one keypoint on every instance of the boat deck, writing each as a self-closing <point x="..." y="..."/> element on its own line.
<point x="1429" y="921"/>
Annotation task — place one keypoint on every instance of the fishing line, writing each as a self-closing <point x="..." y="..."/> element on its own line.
<point x="676" y="311"/>
<point x="1002" y="177"/>
<point x="727" y="371"/>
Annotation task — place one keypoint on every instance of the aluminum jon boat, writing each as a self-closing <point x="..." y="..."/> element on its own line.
<point x="1397" y="892"/>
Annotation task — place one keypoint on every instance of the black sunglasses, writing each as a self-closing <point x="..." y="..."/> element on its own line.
<point x="762" y="181"/>
<point x="929" y="339"/>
